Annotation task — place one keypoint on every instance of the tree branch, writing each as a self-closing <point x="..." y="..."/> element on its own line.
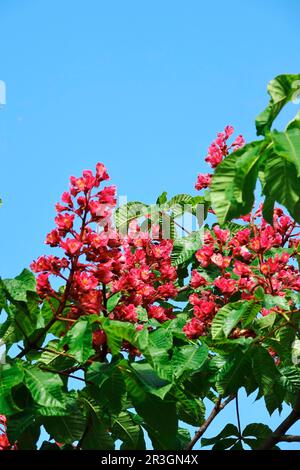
<point x="219" y="406"/>
<point x="279" y="433"/>
<point x="289" y="438"/>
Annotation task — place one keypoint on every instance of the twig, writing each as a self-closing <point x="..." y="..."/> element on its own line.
<point x="66" y="374"/>
<point x="219" y="406"/>
<point x="104" y="293"/>
<point x="289" y="438"/>
<point x="238" y="415"/>
<point x="277" y="435"/>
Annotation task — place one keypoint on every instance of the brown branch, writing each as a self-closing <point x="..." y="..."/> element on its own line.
<point x="289" y="438"/>
<point x="66" y="374"/>
<point x="219" y="406"/>
<point x="277" y="435"/>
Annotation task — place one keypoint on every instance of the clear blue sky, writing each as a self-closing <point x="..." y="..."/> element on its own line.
<point x="141" y="85"/>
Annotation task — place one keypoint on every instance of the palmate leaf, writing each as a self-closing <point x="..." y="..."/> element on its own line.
<point x="230" y="431"/>
<point x="290" y="378"/>
<point x="17" y="288"/>
<point x="110" y="384"/>
<point x="128" y="212"/>
<point x="118" y="331"/>
<point x="10" y="376"/>
<point x="79" y="340"/>
<point x="184" y="248"/>
<point x="149" y="378"/>
<point x="268" y="379"/>
<point x="24" y="428"/>
<point x="188" y="358"/>
<point x="66" y="429"/>
<point x="282" y="184"/>
<point x="281" y="89"/>
<point x="45" y="387"/>
<point x="129" y="431"/>
<point x="236" y="371"/>
<point x="190" y="409"/>
<point x="159" y="416"/>
<point x="287" y="145"/>
<point x="112" y="301"/>
<point x="230" y="315"/>
<point x="96" y="435"/>
<point x="259" y="431"/>
<point x="183" y="438"/>
<point x="234" y="180"/>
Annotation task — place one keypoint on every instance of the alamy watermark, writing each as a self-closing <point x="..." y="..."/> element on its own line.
<point x="161" y="221"/>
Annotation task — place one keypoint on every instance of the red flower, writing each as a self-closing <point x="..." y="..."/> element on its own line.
<point x="226" y="286"/>
<point x="85" y="281"/>
<point x="197" y="280"/>
<point x="64" y="221"/>
<point x="194" y="328"/>
<point x="53" y="238"/>
<point x="203" y="181"/>
<point x="71" y="246"/>
<point x="43" y="286"/>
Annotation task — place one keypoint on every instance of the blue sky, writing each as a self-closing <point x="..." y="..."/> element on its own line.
<point x="141" y="85"/>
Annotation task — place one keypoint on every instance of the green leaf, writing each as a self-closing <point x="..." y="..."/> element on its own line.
<point x="233" y="182"/>
<point x="152" y="382"/>
<point x="10" y="376"/>
<point x="118" y="331"/>
<point x="287" y="145"/>
<point x="228" y="431"/>
<point x="259" y="431"/>
<point x="125" y="428"/>
<point x="159" y="415"/>
<point x="236" y="372"/>
<point x="183" y="438"/>
<point x="290" y="379"/>
<point x="45" y="387"/>
<point x="190" y="409"/>
<point x="66" y="429"/>
<point x="294" y="123"/>
<point x="162" y="199"/>
<point x="271" y="301"/>
<point x="79" y="340"/>
<point x="268" y="378"/>
<point x="268" y="209"/>
<point x="128" y="212"/>
<point x="188" y="358"/>
<point x="96" y="436"/>
<point x="20" y="424"/>
<point x="281" y="89"/>
<point x="184" y="248"/>
<point x="17" y="288"/>
<point x="111" y="384"/>
<point x="142" y="314"/>
<point x="112" y="301"/>
<point x="230" y="315"/>
<point x="282" y="184"/>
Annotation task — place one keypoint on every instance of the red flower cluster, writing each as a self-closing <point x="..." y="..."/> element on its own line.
<point x="216" y="152"/>
<point x="257" y="256"/>
<point x="4" y="442"/>
<point x="98" y="262"/>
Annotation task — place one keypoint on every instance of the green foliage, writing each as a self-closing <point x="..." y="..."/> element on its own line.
<point x="281" y="89"/>
<point x="275" y="160"/>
